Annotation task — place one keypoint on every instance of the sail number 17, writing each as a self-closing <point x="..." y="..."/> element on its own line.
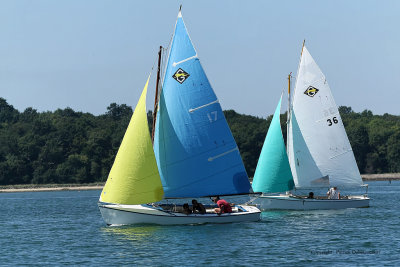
<point x="212" y="116"/>
<point x="334" y="119"/>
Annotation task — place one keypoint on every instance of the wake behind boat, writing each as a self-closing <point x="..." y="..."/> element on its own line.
<point x="194" y="153"/>
<point x="319" y="153"/>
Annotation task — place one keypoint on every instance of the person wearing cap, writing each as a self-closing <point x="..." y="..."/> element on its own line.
<point x="223" y="206"/>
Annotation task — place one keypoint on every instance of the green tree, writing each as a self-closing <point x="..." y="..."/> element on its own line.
<point x="393" y="151"/>
<point x="7" y="112"/>
<point x="65" y="146"/>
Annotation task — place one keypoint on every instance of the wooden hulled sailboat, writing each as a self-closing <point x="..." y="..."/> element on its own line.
<point x="319" y="152"/>
<point x="194" y="153"/>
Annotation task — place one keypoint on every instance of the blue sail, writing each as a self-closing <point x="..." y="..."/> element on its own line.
<point x="195" y="151"/>
<point x="273" y="172"/>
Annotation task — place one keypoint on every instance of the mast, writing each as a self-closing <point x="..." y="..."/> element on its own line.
<point x="156" y="96"/>
<point x="288" y="114"/>
<point x="289" y="80"/>
<point x="289" y="76"/>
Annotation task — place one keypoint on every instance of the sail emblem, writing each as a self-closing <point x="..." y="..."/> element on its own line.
<point x="180" y="75"/>
<point x="311" y="91"/>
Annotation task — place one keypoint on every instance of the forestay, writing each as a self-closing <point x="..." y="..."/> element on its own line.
<point x="195" y="150"/>
<point x="319" y="150"/>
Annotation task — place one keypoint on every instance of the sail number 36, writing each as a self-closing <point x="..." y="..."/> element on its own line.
<point x="332" y="121"/>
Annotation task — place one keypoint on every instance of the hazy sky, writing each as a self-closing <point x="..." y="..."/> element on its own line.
<point x="86" y="54"/>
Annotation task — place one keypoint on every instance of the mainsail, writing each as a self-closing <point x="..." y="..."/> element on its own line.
<point x="195" y="150"/>
<point x="318" y="147"/>
<point x="273" y="172"/>
<point x="134" y="177"/>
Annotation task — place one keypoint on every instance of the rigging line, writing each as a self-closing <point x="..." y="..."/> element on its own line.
<point x="155" y="61"/>
<point x="163" y="69"/>
<point x="170" y="40"/>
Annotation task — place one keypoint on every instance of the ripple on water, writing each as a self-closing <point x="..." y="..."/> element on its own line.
<point x="66" y="228"/>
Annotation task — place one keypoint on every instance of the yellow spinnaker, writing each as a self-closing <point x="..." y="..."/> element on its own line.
<point x="134" y="177"/>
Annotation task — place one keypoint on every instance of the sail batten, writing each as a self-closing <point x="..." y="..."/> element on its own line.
<point x="184" y="60"/>
<point x="191" y="129"/>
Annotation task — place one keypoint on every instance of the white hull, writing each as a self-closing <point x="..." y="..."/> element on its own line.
<point x="286" y="202"/>
<point x="114" y="214"/>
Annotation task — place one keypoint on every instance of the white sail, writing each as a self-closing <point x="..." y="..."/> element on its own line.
<point x="319" y="150"/>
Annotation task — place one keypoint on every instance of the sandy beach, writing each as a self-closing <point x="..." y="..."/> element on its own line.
<point x="42" y="189"/>
<point x="39" y="188"/>
<point x="381" y="177"/>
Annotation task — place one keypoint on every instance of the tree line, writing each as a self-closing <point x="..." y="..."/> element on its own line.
<point x="65" y="146"/>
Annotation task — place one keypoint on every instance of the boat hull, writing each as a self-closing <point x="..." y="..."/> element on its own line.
<point x="114" y="214"/>
<point x="285" y="202"/>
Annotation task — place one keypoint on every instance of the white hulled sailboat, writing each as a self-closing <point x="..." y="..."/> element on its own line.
<point x="319" y="152"/>
<point x="194" y="153"/>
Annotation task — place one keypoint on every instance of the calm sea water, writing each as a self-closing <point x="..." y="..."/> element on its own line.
<point x="66" y="228"/>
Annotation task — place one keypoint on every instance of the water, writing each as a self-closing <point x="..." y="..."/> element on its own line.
<point x="66" y="228"/>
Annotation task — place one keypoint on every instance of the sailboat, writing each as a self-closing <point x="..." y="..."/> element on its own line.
<point x="319" y="152"/>
<point x="194" y="154"/>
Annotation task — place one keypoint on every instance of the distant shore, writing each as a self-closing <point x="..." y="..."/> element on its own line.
<point x="47" y="187"/>
<point x="381" y="177"/>
<point x="99" y="186"/>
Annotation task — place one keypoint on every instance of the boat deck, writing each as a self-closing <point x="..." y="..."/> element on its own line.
<point x="209" y="208"/>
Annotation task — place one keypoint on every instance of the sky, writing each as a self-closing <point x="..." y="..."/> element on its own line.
<point x="88" y="54"/>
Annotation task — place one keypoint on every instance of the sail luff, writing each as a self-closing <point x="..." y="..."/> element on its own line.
<point x="134" y="177"/>
<point x="298" y="69"/>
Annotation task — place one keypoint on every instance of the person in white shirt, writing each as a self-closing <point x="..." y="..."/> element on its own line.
<point x="333" y="193"/>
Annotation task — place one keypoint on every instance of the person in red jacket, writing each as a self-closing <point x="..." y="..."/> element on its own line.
<point x="223" y="206"/>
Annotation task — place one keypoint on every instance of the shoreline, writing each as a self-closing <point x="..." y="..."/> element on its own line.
<point x="61" y="187"/>
<point x="50" y="188"/>
<point x="381" y="177"/>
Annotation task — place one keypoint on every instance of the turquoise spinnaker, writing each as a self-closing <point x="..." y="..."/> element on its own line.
<point x="273" y="172"/>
